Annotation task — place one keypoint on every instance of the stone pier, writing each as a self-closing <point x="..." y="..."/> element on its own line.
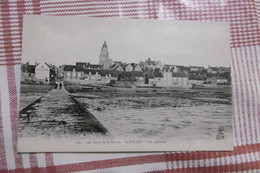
<point x="58" y="113"/>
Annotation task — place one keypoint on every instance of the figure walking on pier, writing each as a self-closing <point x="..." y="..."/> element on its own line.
<point x="56" y="85"/>
<point x="60" y="85"/>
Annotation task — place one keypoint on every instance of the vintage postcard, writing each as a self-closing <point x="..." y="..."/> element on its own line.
<point x="124" y="85"/>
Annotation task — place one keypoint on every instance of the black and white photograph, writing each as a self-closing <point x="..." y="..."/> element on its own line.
<point x="124" y="85"/>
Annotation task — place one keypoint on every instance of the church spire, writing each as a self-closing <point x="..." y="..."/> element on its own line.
<point x="105" y="44"/>
<point x="104" y="57"/>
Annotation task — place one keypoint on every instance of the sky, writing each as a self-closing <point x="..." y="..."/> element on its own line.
<point x="66" y="40"/>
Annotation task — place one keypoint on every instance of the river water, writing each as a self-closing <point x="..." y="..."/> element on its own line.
<point x="180" y="115"/>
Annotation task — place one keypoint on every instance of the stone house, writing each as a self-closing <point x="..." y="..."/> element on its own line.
<point x="180" y="78"/>
<point x="137" y="67"/>
<point x="71" y="73"/>
<point x="128" y="68"/>
<point x="79" y="72"/>
<point x="45" y="72"/>
<point x="117" y="67"/>
<point x="92" y="74"/>
<point x="109" y="75"/>
<point x="167" y="77"/>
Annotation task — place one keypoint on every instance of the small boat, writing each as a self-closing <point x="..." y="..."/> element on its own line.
<point x="141" y="91"/>
<point x="87" y="88"/>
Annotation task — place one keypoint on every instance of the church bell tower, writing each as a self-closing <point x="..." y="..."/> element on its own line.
<point x="104" y="59"/>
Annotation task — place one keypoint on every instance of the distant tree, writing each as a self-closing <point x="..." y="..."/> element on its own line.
<point x="204" y="71"/>
<point x="125" y="76"/>
<point x="157" y="70"/>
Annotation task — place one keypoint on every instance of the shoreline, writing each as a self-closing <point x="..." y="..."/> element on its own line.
<point x="103" y="88"/>
<point x="30" y="93"/>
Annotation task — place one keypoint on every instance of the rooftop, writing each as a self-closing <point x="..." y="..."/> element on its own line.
<point x="157" y="74"/>
<point x="179" y="74"/>
<point x="137" y="74"/>
<point x="69" y="67"/>
<point x="81" y="63"/>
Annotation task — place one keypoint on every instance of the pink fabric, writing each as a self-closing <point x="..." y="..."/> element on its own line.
<point x="243" y="16"/>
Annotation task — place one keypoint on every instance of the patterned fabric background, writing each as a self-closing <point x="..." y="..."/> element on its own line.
<point x="244" y="17"/>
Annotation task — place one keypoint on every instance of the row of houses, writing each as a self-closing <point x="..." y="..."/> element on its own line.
<point x="165" y="76"/>
<point x="147" y="72"/>
<point x="151" y="66"/>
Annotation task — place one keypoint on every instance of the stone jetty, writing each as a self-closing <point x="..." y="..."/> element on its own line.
<point x="58" y="114"/>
